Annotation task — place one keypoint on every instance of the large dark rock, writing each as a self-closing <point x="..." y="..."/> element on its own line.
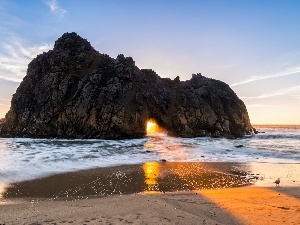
<point x="73" y="91"/>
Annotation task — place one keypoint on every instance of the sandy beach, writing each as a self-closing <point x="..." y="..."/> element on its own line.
<point x="158" y="193"/>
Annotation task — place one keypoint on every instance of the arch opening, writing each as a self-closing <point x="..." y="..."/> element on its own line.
<point x="153" y="128"/>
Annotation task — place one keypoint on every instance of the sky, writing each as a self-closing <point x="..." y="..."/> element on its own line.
<point x="252" y="45"/>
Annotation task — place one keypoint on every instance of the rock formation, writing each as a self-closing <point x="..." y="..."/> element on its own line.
<point x="73" y="91"/>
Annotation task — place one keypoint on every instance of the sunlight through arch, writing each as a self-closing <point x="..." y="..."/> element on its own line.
<point x="152" y="127"/>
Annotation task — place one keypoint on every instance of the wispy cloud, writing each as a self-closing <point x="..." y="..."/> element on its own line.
<point x="296" y="96"/>
<point x="4" y="102"/>
<point x="286" y="72"/>
<point x="2" y="99"/>
<point x="15" y="56"/>
<point x="292" y="91"/>
<point x="15" y="53"/>
<point x="249" y="106"/>
<point x="55" y="8"/>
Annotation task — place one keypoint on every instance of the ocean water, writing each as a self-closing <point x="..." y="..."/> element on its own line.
<point x="25" y="158"/>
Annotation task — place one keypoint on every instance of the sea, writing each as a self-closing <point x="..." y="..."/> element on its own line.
<point x="25" y="158"/>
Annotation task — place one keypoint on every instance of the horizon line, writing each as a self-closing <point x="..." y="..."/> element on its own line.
<point x="283" y="124"/>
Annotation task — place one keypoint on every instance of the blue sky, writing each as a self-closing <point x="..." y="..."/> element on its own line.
<point x="253" y="45"/>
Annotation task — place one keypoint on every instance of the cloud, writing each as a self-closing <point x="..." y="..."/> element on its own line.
<point x="2" y="99"/>
<point x="296" y="96"/>
<point x="287" y="72"/>
<point x="293" y="91"/>
<point x="15" y="56"/>
<point x="249" y="106"/>
<point x="4" y="102"/>
<point x="55" y="8"/>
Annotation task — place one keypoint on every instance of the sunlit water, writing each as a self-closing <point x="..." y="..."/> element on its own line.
<point x="22" y="159"/>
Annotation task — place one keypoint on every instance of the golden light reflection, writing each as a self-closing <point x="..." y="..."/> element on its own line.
<point x="151" y="171"/>
<point x="250" y="203"/>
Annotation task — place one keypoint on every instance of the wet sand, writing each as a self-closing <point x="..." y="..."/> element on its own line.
<point x="130" y="179"/>
<point x="159" y="193"/>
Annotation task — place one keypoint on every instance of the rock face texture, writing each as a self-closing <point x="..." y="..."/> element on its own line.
<point x="73" y="91"/>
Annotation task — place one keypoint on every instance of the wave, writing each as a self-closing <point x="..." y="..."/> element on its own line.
<point x="30" y="158"/>
<point x="278" y="136"/>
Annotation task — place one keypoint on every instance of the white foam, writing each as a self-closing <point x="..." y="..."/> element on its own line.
<point x="22" y="159"/>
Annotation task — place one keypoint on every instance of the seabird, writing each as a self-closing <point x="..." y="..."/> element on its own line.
<point x="277" y="182"/>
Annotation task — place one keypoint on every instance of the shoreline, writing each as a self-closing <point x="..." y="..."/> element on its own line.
<point x="243" y="205"/>
<point x="159" y="193"/>
<point x="132" y="179"/>
<point x="153" y="177"/>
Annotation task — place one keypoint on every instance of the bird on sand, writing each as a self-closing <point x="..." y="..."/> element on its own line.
<point x="277" y="182"/>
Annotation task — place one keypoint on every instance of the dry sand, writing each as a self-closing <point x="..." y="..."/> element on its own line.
<point x="147" y="203"/>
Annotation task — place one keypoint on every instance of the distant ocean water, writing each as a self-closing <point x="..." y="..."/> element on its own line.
<point x="25" y="158"/>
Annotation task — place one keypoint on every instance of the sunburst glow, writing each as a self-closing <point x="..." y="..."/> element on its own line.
<point x="152" y="127"/>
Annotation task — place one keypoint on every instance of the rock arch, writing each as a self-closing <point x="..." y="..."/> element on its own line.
<point x="73" y="91"/>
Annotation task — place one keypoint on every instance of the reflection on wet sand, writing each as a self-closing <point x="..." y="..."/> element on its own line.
<point x="152" y="172"/>
<point x="148" y="177"/>
<point x="168" y="176"/>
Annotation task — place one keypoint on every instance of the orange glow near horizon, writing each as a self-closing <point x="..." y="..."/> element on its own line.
<point x="274" y="115"/>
